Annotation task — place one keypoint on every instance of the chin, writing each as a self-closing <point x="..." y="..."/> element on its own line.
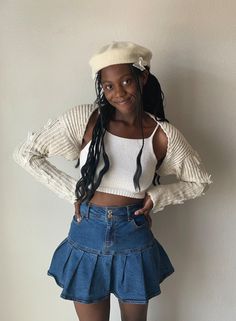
<point x="125" y="107"/>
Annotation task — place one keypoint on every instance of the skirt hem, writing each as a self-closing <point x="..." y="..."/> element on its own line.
<point x="145" y="301"/>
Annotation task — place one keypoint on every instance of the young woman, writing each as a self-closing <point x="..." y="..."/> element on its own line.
<point x="124" y="144"/>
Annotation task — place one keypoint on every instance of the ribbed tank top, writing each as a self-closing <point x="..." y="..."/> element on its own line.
<point x="122" y="153"/>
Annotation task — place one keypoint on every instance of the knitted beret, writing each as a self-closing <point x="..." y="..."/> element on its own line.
<point x="120" y="52"/>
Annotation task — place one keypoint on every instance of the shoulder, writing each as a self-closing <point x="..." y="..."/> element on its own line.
<point x="160" y="143"/>
<point x="169" y="143"/>
<point x="178" y="149"/>
<point x="76" y="119"/>
<point x="87" y="136"/>
<point x="176" y="142"/>
<point x="79" y="113"/>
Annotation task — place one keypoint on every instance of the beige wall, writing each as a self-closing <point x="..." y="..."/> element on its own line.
<point x="45" y="47"/>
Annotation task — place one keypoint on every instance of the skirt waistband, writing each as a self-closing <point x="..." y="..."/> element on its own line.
<point x="115" y="212"/>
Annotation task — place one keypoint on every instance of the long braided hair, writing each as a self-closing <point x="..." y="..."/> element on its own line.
<point x="150" y="100"/>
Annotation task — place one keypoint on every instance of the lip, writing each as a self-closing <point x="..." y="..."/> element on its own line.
<point x="122" y="102"/>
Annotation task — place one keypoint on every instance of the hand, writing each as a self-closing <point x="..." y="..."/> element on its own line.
<point x="77" y="211"/>
<point x="147" y="206"/>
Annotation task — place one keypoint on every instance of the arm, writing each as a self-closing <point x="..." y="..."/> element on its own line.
<point x="185" y="163"/>
<point x="59" y="137"/>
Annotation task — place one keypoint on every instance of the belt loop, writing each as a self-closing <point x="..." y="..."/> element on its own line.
<point x="129" y="213"/>
<point x="87" y="211"/>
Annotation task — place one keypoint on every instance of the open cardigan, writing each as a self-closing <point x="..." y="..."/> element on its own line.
<point x="63" y="137"/>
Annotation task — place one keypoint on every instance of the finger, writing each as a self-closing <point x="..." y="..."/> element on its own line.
<point x="147" y="206"/>
<point x="141" y="211"/>
<point x="77" y="212"/>
<point x="77" y="205"/>
<point x="78" y="216"/>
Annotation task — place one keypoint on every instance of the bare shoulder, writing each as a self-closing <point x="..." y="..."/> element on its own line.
<point x="160" y="143"/>
<point x="89" y="128"/>
<point x="93" y="118"/>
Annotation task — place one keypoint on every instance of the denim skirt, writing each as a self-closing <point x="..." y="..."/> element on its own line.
<point x="110" y="251"/>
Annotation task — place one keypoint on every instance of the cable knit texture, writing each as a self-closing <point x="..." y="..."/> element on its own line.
<point x="63" y="137"/>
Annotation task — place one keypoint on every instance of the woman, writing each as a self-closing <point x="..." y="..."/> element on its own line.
<point x="124" y="144"/>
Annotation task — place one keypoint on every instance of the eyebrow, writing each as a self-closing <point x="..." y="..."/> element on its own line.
<point x="109" y="81"/>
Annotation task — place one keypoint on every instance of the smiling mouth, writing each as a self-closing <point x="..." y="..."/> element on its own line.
<point x="122" y="102"/>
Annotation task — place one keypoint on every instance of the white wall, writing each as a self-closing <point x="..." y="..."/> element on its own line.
<point x="45" y="47"/>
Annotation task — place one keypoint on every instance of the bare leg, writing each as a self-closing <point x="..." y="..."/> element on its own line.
<point x="93" y="311"/>
<point x="133" y="312"/>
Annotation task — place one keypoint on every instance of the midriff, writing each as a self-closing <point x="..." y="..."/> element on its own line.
<point x="106" y="199"/>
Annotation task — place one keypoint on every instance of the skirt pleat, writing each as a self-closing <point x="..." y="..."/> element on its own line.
<point x="82" y="274"/>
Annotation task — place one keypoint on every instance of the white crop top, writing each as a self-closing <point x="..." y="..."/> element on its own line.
<point x="122" y="153"/>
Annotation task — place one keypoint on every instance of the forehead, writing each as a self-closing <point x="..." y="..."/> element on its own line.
<point x="114" y="72"/>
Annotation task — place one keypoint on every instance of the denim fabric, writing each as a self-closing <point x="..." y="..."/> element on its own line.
<point x="110" y="251"/>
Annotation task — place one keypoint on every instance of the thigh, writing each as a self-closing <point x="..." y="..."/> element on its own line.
<point x="93" y="311"/>
<point x="133" y="312"/>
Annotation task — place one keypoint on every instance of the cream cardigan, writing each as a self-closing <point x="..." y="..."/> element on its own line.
<point x="63" y="137"/>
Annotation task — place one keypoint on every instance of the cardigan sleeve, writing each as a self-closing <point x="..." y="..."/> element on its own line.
<point x="185" y="163"/>
<point x="53" y="139"/>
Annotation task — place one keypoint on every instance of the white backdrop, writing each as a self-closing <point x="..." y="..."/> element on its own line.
<point x="45" y="48"/>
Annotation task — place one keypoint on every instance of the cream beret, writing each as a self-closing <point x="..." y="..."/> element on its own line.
<point x="120" y="52"/>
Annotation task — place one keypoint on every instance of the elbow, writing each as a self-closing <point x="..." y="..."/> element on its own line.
<point x="24" y="152"/>
<point x="16" y="155"/>
<point x="206" y="187"/>
<point x="200" y="188"/>
<point x="21" y="155"/>
<point x="206" y="183"/>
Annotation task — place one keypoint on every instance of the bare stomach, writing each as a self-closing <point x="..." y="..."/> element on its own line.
<point x="105" y="199"/>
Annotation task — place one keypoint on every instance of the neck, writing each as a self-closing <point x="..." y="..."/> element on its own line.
<point x="127" y="119"/>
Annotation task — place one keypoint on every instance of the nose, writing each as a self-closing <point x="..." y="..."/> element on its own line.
<point x="119" y="92"/>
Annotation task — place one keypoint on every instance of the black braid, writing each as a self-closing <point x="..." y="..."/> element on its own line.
<point x="87" y="185"/>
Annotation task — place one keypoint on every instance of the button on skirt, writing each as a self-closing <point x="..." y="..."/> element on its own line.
<point x="110" y="251"/>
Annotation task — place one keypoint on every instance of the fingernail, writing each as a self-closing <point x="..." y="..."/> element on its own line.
<point x="135" y="213"/>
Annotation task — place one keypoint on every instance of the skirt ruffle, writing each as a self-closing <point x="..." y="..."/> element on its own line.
<point x="89" y="277"/>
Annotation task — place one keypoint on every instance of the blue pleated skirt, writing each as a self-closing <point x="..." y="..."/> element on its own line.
<point x="110" y="251"/>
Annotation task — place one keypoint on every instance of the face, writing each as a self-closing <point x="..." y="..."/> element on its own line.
<point x="120" y="87"/>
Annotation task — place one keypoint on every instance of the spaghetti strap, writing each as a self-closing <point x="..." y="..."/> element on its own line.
<point x="153" y="133"/>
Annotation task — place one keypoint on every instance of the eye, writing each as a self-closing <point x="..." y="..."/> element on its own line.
<point x="107" y="87"/>
<point x="126" y="81"/>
